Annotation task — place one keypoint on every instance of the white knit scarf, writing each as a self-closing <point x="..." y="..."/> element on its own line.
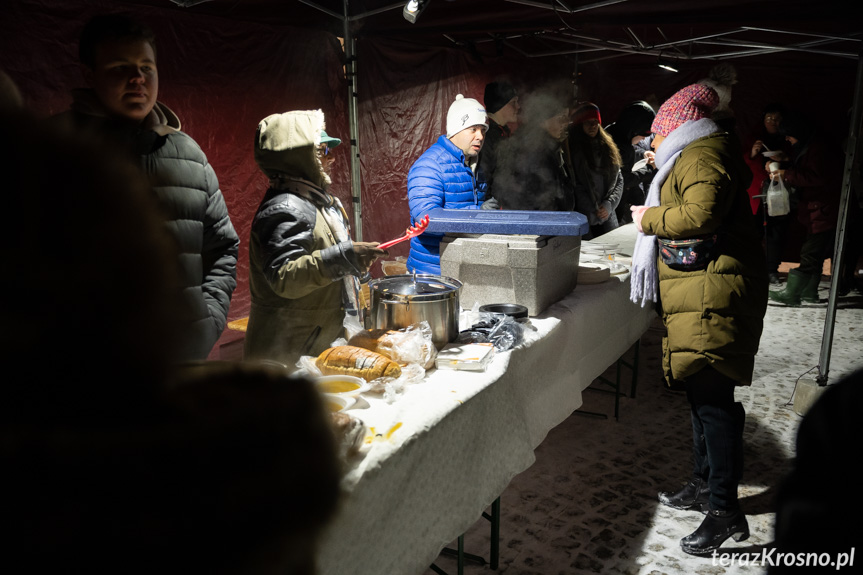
<point x="644" y="281"/>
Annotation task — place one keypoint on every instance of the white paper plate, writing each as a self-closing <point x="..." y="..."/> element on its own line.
<point x="639" y="164"/>
<point x="770" y="154"/>
<point x="593" y="273"/>
<point x="338" y="402"/>
<point x="353" y="386"/>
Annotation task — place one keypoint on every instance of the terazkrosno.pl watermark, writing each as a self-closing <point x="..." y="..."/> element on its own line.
<point x="774" y="558"/>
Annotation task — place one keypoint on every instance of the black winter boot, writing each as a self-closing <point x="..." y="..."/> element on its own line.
<point x="693" y="496"/>
<point x="790" y="296"/>
<point x="714" y="530"/>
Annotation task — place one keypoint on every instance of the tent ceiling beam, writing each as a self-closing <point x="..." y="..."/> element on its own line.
<point x="637" y="46"/>
<point x="564" y="7"/>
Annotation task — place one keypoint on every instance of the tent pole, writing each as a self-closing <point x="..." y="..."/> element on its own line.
<point x="353" y="126"/>
<point x="838" y="255"/>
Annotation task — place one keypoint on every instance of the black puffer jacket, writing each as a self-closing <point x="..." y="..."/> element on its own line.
<point x="634" y="120"/>
<point x="196" y="214"/>
<point x="531" y="173"/>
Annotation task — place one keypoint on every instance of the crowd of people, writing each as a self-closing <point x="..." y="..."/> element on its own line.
<point x="151" y="206"/>
<point x="544" y="151"/>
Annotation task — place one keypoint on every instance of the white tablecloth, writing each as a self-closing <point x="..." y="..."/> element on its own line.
<point x="447" y="448"/>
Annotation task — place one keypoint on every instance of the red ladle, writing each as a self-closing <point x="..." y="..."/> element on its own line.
<point x="411" y="232"/>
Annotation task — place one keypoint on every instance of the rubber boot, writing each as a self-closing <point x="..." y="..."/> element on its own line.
<point x="790" y="296"/>
<point x="809" y="294"/>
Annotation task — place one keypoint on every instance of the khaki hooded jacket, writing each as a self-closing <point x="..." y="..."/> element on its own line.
<point x="296" y="262"/>
<point x="714" y="316"/>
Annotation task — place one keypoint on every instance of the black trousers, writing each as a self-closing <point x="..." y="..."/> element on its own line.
<point x="717" y="433"/>
<point x="815" y="249"/>
<point x="774" y="230"/>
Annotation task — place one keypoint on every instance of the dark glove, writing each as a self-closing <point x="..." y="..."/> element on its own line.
<point x="366" y="253"/>
<point x="350" y="258"/>
<point x="490" y="204"/>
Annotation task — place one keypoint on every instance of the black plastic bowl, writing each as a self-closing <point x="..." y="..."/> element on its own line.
<point x="513" y="310"/>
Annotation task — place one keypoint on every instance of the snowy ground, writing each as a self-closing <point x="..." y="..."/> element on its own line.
<point x="588" y="504"/>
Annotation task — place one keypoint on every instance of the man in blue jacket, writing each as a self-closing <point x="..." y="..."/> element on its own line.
<point x="446" y="176"/>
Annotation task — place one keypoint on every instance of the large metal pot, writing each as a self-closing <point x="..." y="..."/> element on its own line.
<point x="403" y="300"/>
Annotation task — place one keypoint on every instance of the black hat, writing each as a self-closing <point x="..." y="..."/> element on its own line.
<point x="497" y="95"/>
<point x="795" y="125"/>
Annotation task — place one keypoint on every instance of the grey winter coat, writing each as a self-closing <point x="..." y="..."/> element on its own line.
<point x="188" y="190"/>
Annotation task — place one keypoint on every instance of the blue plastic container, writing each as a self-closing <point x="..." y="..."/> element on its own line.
<point x="525" y="222"/>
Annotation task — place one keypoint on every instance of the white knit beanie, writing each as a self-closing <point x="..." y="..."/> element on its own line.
<point x="464" y="113"/>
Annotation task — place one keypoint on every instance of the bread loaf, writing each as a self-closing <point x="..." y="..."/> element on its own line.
<point x="372" y="340"/>
<point x="356" y="361"/>
<point x="403" y="347"/>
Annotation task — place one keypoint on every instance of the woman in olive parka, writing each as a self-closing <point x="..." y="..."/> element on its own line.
<point x="714" y="313"/>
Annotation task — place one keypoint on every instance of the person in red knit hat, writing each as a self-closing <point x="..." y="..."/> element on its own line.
<point x="712" y="307"/>
<point x="596" y="165"/>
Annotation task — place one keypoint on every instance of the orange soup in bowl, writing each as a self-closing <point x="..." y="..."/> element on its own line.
<point x="339" y="386"/>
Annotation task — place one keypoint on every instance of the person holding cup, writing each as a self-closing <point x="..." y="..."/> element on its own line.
<point x="766" y="143"/>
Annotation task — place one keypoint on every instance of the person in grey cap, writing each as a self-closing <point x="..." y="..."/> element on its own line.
<point x="303" y="265"/>
<point x="502" y="108"/>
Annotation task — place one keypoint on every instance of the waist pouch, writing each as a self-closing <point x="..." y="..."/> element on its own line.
<point x="689" y="254"/>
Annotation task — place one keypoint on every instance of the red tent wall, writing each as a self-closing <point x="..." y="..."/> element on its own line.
<point x="220" y="76"/>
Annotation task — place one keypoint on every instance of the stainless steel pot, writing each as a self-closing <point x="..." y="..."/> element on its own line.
<point x="403" y="300"/>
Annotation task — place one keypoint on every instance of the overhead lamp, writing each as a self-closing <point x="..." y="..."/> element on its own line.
<point x="666" y="64"/>
<point x="413" y="9"/>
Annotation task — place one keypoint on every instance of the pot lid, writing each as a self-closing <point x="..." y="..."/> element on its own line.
<point x="415" y="286"/>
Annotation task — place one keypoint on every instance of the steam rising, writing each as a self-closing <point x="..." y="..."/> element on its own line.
<point x="528" y="175"/>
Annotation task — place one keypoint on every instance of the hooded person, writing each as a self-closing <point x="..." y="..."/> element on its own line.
<point x="303" y="265"/>
<point x="631" y="128"/>
<point x="712" y="306"/>
<point x="596" y="163"/>
<point x="815" y="172"/>
<point x="447" y="175"/>
<point x="532" y="170"/>
<point x="502" y="108"/>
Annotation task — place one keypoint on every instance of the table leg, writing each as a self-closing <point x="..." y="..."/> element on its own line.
<point x="494" y="553"/>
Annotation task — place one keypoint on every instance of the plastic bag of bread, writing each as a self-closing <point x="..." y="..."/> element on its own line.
<point x="350" y="433"/>
<point x="412" y="344"/>
<point x="384" y="375"/>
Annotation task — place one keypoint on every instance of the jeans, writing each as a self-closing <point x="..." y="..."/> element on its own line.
<point x="717" y="433"/>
